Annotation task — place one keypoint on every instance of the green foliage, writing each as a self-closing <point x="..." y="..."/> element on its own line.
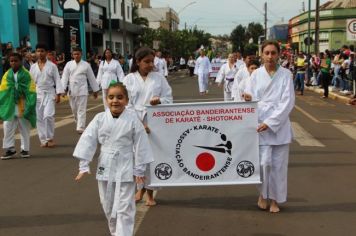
<point x="176" y="43"/>
<point x="241" y="35"/>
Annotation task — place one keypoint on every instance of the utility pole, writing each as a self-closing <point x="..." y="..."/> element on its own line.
<point x="110" y="37"/>
<point x="265" y="8"/>
<point x="317" y="23"/>
<point x="309" y="39"/>
<point x="170" y="19"/>
<point x="90" y="27"/>
<point x="124" y="27"/>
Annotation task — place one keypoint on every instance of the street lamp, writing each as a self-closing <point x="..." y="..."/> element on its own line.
<point x="183" y="8"/>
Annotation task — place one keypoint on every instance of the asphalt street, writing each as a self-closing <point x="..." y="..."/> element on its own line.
<point x="40" y="197"/>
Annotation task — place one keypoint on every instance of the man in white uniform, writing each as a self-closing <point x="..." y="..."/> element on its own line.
<point x="272" y="86"/>
<point x="49" y="90"/>
<point x="76" y="75"/>
<point x="160" y="64"/>
<point x="202" y="69"/>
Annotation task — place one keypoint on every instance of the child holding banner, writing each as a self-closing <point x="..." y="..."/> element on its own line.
<point x="146" y="87"/>
<point x="272" y="86"/>
<point x="124" y="154"/>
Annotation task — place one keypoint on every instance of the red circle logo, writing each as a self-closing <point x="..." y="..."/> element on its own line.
<point x="205" y="161"/>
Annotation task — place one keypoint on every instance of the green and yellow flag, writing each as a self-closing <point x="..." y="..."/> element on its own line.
<point x="22" y="94"/>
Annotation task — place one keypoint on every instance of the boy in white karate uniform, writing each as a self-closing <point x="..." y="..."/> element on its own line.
<point x="124" y="155"/>
<point x="76" y="75"/>
<point x="49" y="90"/>
<point x="272" y="86"/>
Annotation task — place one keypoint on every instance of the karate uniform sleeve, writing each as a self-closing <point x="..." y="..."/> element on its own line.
<point x="139" y="170"/>
<point x="119" y="73"/>
<point x="196" y="68"/>
<point x="57" y="81"/>
<point x="165" y="68"/>
<point x="221" y="75"/>
<point x="100" y="74"/>
<point x="284" y="107"/>
<point x="142" y="148"/>
<point x="91" y="78"/>
<point x="166" y="92"/>
<point x="88" y="142"/>
<point x="84" y="166"/>
<point x="65" y="76"/>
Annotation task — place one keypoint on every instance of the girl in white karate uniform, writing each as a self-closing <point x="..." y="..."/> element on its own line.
<point x="109" y="70"/>
<point x="124" y="154"/>
<point x="272" y="86"/>
<point x="226" y="76"/>
<point x="146" y="87"/>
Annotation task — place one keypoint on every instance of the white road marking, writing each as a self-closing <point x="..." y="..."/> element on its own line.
<point x="349" y="130"/>
<point x="304" y="138"/>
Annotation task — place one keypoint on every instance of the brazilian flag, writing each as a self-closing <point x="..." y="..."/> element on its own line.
<point x="22" y="94"/>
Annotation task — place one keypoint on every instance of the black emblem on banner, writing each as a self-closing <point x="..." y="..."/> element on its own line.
<point x="163" y="171"/>
<point x="245" y="169"/>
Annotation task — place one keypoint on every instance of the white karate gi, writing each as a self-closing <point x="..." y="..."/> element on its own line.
<point x="10" y="127"/>
<point x="226" y="75"/>
<point x="124" y="153"/>
<point x="160" y="66"/>
<point x="276" y="101"/>
<point x="239" y="64"/>
<point x="140" y="93"/>
<point x="106" y="73"/>
<point x="76" y="77"/>
<point x="202" y="69"/>
<point x="240" y="76"/>
<point x="48" y="85"/>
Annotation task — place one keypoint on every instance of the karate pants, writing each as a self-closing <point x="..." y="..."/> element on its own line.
<point x="227" y="90"/>
<point x="45" y="120"/>
<point x="203" y="80"/>
<point x="123" y="224"/>
<point x="78" y="104"/>
<point x="274" y="166"/>
<point x="9" y="133"/>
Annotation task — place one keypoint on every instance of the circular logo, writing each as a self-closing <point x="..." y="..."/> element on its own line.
<point x="203" y="159"/>
<point x="163" y="171"/>
<point x="245" y="169"/>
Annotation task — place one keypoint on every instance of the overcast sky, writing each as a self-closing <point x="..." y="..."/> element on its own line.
<point x="222" y="16"/>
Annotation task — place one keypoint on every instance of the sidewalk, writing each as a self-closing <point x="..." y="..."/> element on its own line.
<point x="333" y="95"/>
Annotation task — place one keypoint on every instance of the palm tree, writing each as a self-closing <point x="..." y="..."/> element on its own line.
<point x="136" y="19"/>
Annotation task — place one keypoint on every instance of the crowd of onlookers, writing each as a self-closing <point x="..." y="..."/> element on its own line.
<point x="335" y="70"/>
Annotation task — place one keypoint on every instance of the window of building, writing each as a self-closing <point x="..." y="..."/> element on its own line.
<point x="118" y="48"/>
<point x="128" y="13"/>
<point x="115" y="6"/>
<point x="107" y="44"/>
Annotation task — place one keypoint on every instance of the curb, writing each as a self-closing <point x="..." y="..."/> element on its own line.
<point x="332" y="95"/>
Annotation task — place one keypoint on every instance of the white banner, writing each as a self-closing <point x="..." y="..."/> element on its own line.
<point x="351" y="30"/>
<point x="215" y="67"/>
<point x="204" y="144"/>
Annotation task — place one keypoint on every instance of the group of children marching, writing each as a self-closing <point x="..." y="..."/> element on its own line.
<point x="121" y="130"/>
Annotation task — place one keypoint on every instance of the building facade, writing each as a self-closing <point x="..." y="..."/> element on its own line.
<point x="42" y="21"/>
<point x="332" y="33"/>
<point x="163" y="17"/>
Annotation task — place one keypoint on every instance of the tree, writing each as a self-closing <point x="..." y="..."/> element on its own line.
<point x="254" y="30"/>
<point x="136" y="19"/>
<point x="238" y="38"/>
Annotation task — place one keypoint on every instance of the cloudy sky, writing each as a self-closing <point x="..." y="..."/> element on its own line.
<point x="222" y="16"/>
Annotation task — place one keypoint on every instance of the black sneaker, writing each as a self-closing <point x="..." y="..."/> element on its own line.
<point x="8" y="154"/>
<point x="24" y="154"/>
